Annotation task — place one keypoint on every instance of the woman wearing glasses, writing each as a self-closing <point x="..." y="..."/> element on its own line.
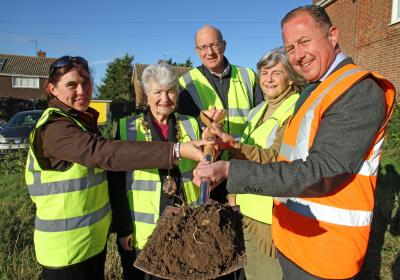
<point x="66" y="178"/>
<point x="261" y="141"/>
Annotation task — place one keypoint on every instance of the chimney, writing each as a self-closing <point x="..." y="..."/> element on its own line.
<point x="41" y="53"/>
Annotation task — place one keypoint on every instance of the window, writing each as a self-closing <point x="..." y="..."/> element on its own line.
<point x="2" y="61"/>
<point x="396" y="11"/>
<point x="24" y="82"/>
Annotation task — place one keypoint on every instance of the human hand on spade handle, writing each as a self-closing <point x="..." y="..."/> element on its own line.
<point x="208" y="118"/>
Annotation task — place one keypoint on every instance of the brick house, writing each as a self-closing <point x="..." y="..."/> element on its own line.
<point x="369" y="32"/>
<point x="23" y="77"/>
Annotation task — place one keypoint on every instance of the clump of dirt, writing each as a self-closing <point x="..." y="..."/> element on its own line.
<point x="196" y="243"/>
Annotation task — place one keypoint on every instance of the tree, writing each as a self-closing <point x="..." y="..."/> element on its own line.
<point x="187" y="63"/>
<point x="117" y="82"/>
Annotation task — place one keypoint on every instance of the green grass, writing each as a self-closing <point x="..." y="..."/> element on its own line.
<point x="17" y="260"/>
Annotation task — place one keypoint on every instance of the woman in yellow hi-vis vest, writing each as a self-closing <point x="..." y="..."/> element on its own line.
<point x="261" y="142"/>
<point x="66" y="179"/>
<point x="150" y="191"/>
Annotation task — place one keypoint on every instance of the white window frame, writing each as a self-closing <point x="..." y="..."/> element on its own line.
<point x="395" y="11"/>
<point x="25" y="82"/>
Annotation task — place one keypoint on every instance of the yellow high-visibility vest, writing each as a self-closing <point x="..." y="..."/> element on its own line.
<point x="240" y="96"/>
<point x="259" y="207"/>
<point x="73" y="213"/>
<point x="144" y="186"/>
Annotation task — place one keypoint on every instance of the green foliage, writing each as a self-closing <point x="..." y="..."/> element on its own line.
<point x="17" y="257"/>
<point x="13" y="163"/>
<point x="187" y="63"/>
<point x="109" y="129"/>
<point x="117" y="82"/>
<point x="393" y="133"/>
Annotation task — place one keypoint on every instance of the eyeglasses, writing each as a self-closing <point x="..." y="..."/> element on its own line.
<point x="214" y="46"/>
<point x="67" y="60"/>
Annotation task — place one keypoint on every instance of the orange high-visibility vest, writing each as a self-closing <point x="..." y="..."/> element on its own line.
<point x="328" y="236"/>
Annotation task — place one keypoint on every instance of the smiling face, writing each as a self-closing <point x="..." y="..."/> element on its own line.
<point x="274" y="80"/>
<point x="210" y="48"/>
<point x="309" y="46"/>
<point x="161" y="100"/>
<point x="73" y="90"/>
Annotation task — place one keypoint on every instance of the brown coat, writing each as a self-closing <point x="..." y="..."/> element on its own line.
<point x="61" y="142"/>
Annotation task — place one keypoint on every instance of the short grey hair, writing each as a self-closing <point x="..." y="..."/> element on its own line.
<point x="272" y="58"/>
<point x="162" y="73"/>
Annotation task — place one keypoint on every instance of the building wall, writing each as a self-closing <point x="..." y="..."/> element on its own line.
<point x="365" y="33"/>
<point x="6" y="89"/>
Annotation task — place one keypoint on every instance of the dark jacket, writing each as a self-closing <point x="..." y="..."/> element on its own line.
<point x="186" y="105"/>
<point x="345" y="133"/>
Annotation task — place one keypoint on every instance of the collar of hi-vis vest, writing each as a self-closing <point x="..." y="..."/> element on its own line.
<point x="341" y="79"/>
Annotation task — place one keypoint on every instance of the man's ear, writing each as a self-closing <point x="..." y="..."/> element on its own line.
<point x="333" y="35"/>
<point x="223" y="46"/>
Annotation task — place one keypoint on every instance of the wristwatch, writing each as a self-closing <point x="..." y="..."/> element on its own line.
<point x="177" y="152"/>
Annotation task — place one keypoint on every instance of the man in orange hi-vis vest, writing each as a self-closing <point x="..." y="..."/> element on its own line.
<point x="325" y="181"/>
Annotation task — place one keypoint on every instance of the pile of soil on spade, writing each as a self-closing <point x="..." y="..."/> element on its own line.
<point x="197" y="243"/>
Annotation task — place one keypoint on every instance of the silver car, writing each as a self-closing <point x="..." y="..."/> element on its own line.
<point x="15" y="134"/>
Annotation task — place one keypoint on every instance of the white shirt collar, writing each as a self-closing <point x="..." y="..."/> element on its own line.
<point x="339" y="58"/>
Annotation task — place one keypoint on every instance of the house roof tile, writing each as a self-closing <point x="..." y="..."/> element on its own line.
<point x="25" y="65"/>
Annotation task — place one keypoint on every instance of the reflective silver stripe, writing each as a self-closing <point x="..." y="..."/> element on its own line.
<point x="191" y="88"/>
<point x="246" y="80"/>
<point x="254" y="111"/>
<point x="287" y="151"/>
<point x="36" y="174"/>
<point x="238" y="112"/>
<point x="237" y="137"/>
<point x="303" y="136"/>
<point x="329" y="214"/>
<point x="66" y="186"/>
<point x="146" y="218"/>
<point x="187" y="176"/>
<point x="188" y="126"/>
<point x="72" y="223"/>
<point x="131" y="133"/>
<point x="193" y="204"/>
<point x="131" y="129"/>
<point x="128" y="180"/>
<point x="370" y="167"/>
<point x="144" y="185"/>
<point x="272" y="135"/>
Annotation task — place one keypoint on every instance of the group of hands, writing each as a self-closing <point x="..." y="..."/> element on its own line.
<point x="212" y="135"/>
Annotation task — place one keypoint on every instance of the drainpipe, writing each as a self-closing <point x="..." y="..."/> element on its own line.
<point x="324" y="3"/>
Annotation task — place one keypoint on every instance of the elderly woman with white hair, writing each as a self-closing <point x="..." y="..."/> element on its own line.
<point x="148" y="192"/>
<point x="261" y="141"/>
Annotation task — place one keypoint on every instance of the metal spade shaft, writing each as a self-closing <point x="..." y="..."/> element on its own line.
<point x="209" y="156"/>
<point x="205" y="185"/>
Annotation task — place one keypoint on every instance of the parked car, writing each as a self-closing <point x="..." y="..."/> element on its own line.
<point x="2" y="124"/>
<point x="15" y="134"/>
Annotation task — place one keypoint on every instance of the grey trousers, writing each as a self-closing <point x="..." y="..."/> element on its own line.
<point x="292" y="271"/>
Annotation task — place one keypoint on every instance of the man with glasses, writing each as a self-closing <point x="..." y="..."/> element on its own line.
<point x="217" y="83"/>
